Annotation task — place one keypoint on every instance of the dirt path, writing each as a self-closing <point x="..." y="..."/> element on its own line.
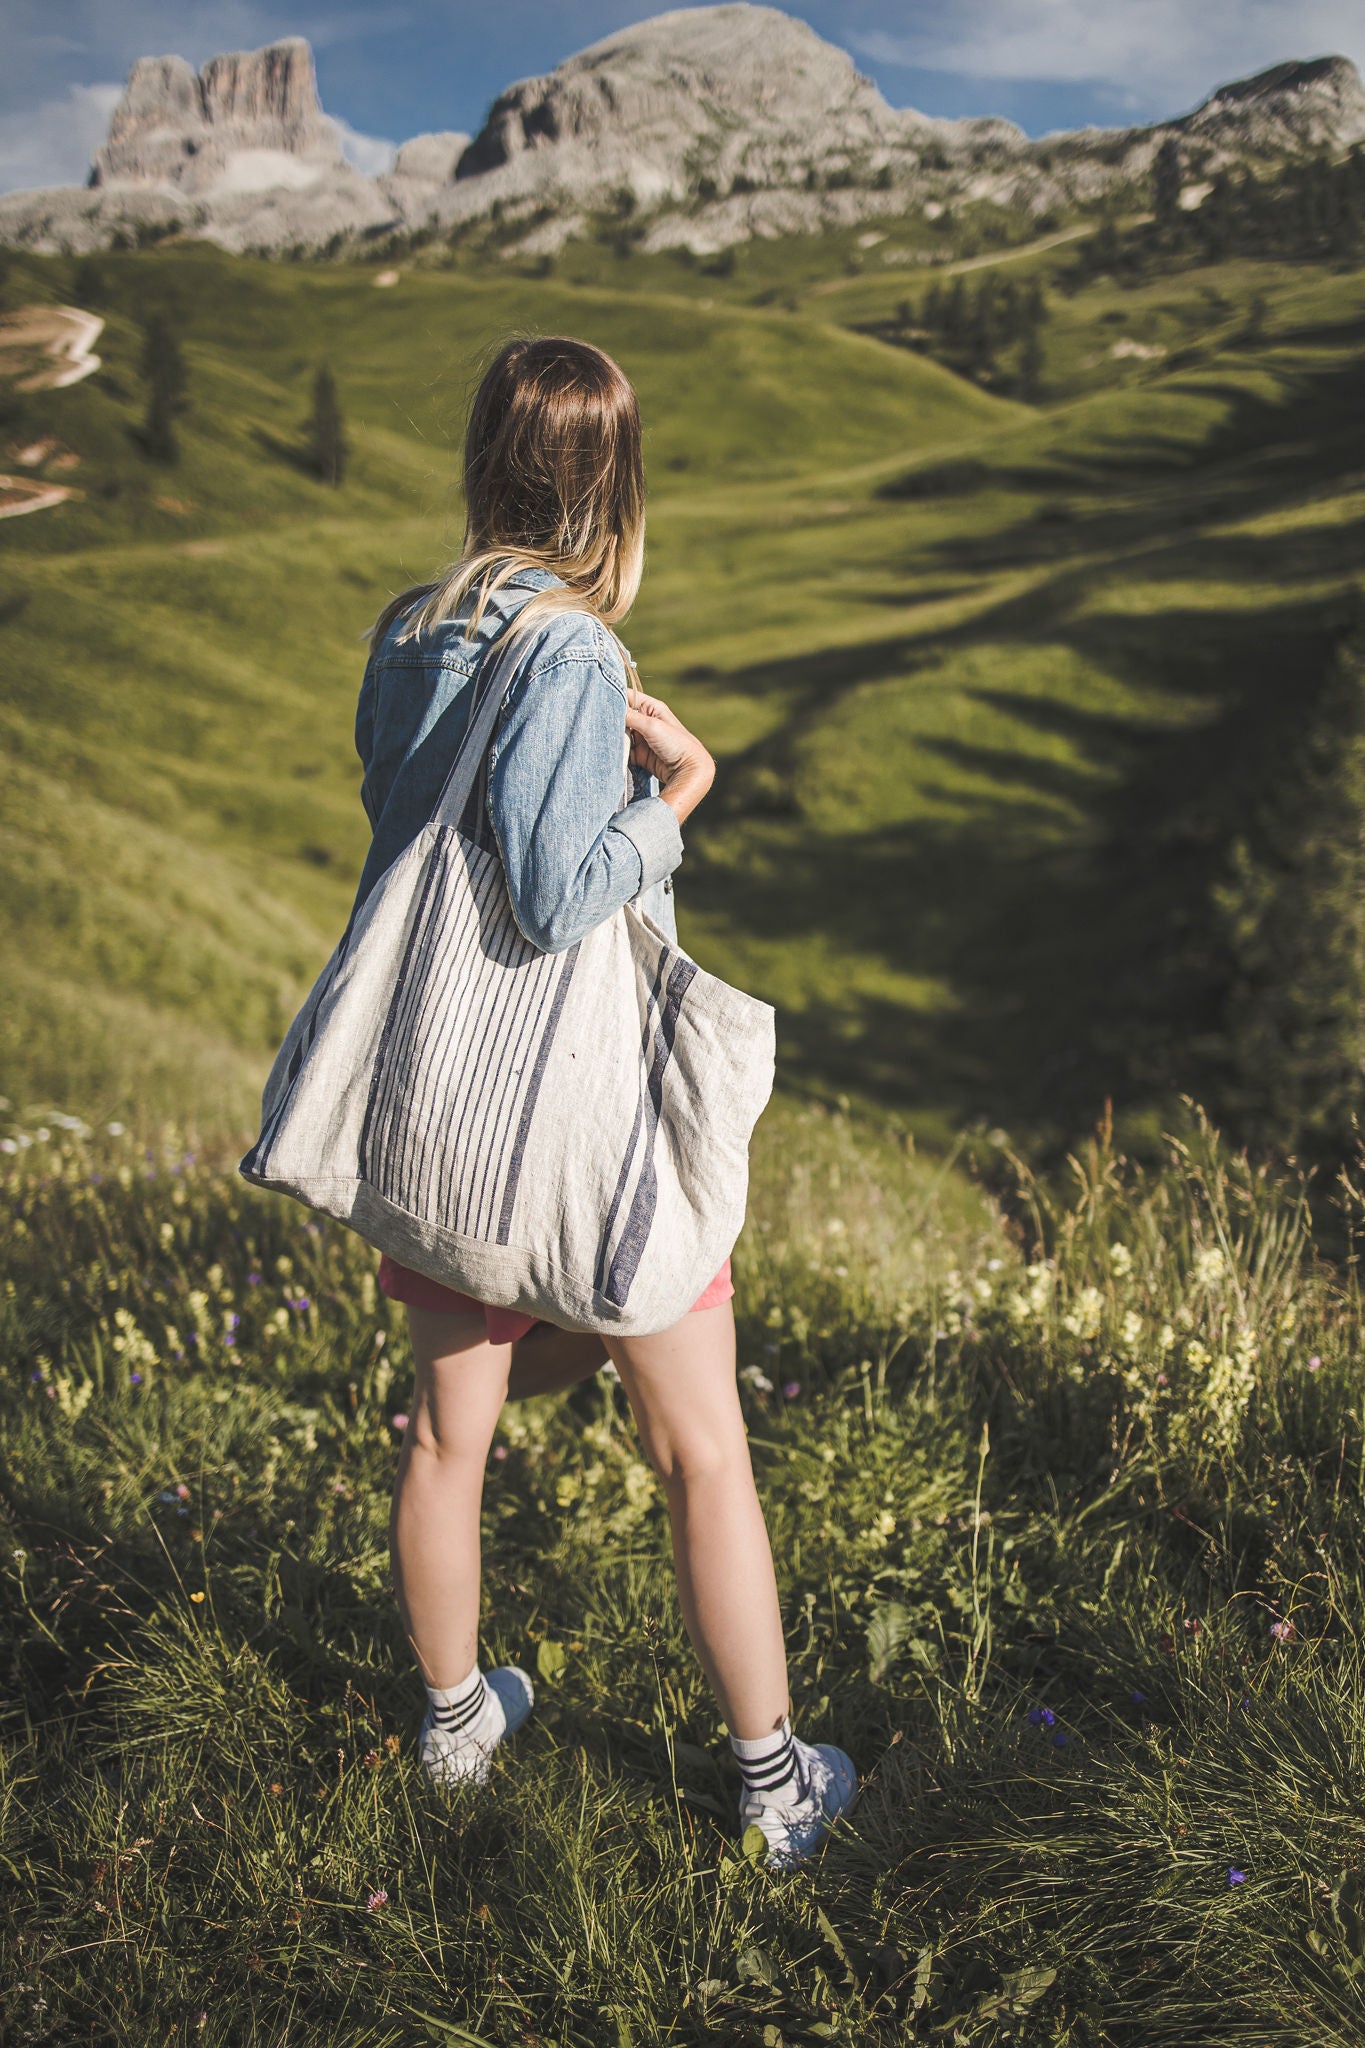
<point x="65" y="335"/>
<point x="20" y="494"/>
<point x="965" y="263"/>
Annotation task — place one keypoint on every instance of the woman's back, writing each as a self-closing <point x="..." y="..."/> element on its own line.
<point x="557" y="769"/>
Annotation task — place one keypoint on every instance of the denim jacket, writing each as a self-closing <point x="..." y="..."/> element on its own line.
<point x="577" y="834"/>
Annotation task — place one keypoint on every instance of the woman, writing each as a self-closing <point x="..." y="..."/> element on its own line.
<point x="585" y="790"/>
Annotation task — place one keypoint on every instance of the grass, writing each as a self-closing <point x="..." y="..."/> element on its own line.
<point x="1065" y="1475"/>
<point x="1067" y="1506"/>
<point x="989" y="685"/>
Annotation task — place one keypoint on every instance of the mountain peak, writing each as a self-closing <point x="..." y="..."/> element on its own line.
<point x="174" y="126"/>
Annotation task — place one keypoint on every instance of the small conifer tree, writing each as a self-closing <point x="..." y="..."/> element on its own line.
<point x="326" y="432"/>
<point x="163" y="370"/>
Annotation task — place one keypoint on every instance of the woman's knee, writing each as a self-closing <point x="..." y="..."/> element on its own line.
<point x="697" y="1457"/>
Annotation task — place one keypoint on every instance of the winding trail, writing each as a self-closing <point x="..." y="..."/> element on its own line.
<point x="65" y="334"/>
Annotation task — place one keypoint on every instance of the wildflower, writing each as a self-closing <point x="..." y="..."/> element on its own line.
<point x="135" y="1379"/>
<point x="372" y="1759"/>
<point x="182" y="1491"/>
<point x="400" y="1423"/>
<point x="201" y="2019"/>
<point x="1120" y="1261"/>
<point x="198" y="1599"/>
<point x="253" y="1279"/>
<point x="757" y="1379"/>
<point x="1283" y="1631"/>
<point x="115" y="1130"/>
<point x="1209" y="1266"/>
<point x="994" y="1265"/>
<point x="500" y="1452"/>
<point x="167" y="1497"/>
<point x="790" y="1389"/>
<point x="1245" y="1704"/>
<point x="1315" y="1363"/>
<point x="1194" y="1626"/>
<point x="1041" y="1717"/>
<point x="375" y="1901"/>
<point x="1236" y="1877"/>
<point x="1059" y="1740"/>
<point x="1138" y="1698"/>
<point x="8" y="1145"/>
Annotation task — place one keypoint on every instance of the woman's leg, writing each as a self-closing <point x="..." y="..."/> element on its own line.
<point x="546" y="1360"/>
<point x="460" y="1387"/>
<point x="682" y="1390"/>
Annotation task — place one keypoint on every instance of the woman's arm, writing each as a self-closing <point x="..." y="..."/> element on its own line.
<point x="571" y="852"/>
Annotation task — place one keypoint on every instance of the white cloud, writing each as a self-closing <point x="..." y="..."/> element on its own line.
<point x="55" y="142"/>
<point x="1167" y="50"/>
<point x="368" y="153"/>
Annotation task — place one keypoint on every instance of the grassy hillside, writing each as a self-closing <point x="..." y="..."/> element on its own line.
<point x="1068" y="1525"/>
<point x="989" y="684"/>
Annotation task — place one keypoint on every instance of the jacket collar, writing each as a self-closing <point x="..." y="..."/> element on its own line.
<point x="532" y="578"/>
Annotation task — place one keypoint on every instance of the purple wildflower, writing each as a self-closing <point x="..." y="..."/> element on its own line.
<point x="253" y="1279"/>
<point x="1138" y="1698"/>
<point x="1314" y="1363"/>
<point x="1236" y="1877"/>
<point x="135" y="1379"/>
<point x="1282" y="1631"/>
<point x="790" y="1389"/>
<point x="1059" y="1740"/>
<point x="375" y="1901"/>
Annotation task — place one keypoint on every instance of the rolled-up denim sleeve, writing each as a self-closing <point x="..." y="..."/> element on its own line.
<point x="572" y="852"/>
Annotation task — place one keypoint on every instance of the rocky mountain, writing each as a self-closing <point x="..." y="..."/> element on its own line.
<point x="698" y="129"/>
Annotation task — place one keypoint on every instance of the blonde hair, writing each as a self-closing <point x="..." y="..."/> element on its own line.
<point x="554" y="479"/>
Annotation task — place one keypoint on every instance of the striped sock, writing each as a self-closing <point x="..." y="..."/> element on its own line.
<point x="768" y="1766"/>
<point x="457" y="1712"/>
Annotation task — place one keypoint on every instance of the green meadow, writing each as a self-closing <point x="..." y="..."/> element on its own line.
<point x="1060" y="1434"/>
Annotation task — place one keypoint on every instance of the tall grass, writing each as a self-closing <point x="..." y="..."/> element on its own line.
<point x="1066" y="1495"/>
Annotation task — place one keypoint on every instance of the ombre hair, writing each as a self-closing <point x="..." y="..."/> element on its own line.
<point x="553" y="479"/>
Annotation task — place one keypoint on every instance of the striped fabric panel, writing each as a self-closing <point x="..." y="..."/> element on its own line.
<point x="625" y="1261"/>
<point x="463" y="1052"/>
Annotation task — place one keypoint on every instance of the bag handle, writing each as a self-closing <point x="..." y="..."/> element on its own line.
<point x="493" y="674"/>
<point x="492" y="677"/>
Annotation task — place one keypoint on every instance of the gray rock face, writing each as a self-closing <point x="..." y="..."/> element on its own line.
<point x="697" y="129"/>
<point x="430" y="159"/>
<point x="1319" y="105"/>
<point x="248" y="121"/>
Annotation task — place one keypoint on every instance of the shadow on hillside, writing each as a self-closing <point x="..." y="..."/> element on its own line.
<point x="1077" y="970"/>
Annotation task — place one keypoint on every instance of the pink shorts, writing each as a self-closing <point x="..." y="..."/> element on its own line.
<point x="505" y="1325"/>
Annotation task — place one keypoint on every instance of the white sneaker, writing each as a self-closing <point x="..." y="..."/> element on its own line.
<point x="462" y="1759"/>
<point x="827" y="1785"/>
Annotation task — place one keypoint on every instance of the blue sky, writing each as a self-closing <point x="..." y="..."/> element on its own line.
<point x="392" y="71"/>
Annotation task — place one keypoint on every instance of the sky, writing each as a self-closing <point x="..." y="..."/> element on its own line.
<point x="388" y="72"/>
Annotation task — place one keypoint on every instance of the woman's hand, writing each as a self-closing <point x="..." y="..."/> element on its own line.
<point x="660" y="742"/>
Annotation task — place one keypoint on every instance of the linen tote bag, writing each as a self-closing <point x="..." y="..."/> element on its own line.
<point x="562" y="1133"/>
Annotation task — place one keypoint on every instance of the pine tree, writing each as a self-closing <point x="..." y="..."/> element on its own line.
<point x="326" y="433"/>
<point x="1167" y="179"/>
<point x="1031" y="361"/>
<point x="163" y="369"/>
<point x="1291" y="911"/>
